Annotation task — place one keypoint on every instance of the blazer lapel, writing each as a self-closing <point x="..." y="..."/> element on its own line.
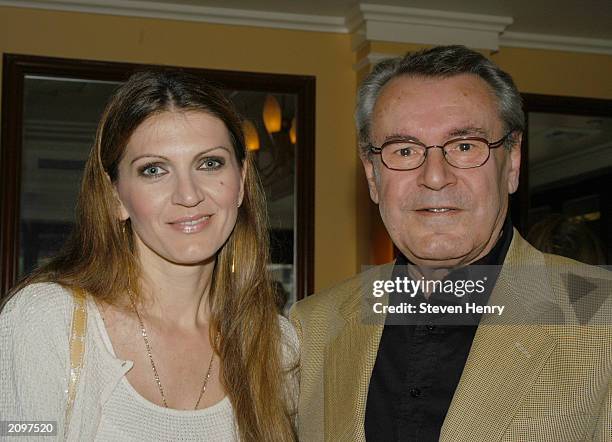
<point x="507" y="354"/>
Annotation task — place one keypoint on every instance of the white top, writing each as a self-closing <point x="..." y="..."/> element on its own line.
<point x="34" y="331"/>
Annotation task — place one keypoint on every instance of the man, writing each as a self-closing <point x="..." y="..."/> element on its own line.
<point x="440" y="133"/>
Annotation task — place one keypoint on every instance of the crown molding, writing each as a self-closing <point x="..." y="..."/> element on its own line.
<point x="367" y="22"/>
<point x="425" y="26"/>
<point x="405" y="15"/>
<point x="556" y="42"/>
<point x="59" y="130"/>
<point x="578" y="162"/>
<point x="151" y="9"/>
<point x="371" y="59"/>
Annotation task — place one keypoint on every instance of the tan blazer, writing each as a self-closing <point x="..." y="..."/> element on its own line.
<point x="543" y="373"/>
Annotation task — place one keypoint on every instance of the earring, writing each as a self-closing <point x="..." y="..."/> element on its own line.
<point x="233" y="252"/>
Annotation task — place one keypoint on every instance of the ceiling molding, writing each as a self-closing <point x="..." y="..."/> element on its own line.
<point x="578" y="162"/>
<point x="59" y="130"/>
<point x="589" y="153"/>
<point x="424" y="26"/>
<point x="400" y="14"/>
<point x="371" y="59"/>
<point x="556" y="42"/>
<point x="195" y="13"/>
<point x="367" y="22"/>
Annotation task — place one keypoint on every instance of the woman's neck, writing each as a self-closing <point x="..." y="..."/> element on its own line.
<point x="175" y="294"/>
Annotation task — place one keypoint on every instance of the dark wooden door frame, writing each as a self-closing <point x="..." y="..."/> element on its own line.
<point x="556" y="105"/>
<point x="16" y="67"/>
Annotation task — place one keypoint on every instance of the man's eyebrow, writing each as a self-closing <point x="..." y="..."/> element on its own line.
<point x="457" y="132"/>
<point x="161" y="157"/>
<point x="400" y="136"/>
<point x="467" y="131"/>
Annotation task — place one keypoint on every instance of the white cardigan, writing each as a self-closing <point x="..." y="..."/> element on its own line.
<point x="34" y="367"/>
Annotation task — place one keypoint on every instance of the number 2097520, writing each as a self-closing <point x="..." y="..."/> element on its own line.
<point x="28" y="428"/>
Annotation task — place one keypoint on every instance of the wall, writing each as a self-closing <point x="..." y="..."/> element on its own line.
<point x="540" y="71"/>
<point x="558" y="73"/>
<point x="343" y="214"/>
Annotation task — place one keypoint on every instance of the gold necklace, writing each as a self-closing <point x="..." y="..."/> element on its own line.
<point x="155" y="374"/>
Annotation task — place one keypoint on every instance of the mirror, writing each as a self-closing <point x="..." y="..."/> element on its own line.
<point x="569" y="171"/>
<point x="55" y="128"/>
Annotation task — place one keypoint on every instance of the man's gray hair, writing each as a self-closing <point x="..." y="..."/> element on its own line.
<point x="440" y="61"/>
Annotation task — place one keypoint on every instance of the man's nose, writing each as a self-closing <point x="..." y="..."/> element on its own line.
<point x="436" y="173"/>
<point x="187" y="191"/>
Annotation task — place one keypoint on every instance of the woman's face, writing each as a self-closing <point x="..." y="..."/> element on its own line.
<point x="180" y="185"/>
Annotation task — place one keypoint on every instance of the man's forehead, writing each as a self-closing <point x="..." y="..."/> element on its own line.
<point x="460" y="105"/>
<point x="460" y="85"/>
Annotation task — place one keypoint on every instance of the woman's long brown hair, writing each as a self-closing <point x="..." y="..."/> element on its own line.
<point x="99" y="256"/>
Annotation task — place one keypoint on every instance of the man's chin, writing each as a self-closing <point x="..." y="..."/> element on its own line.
<point x="438" y="257"/>
<point x="439" y="262"/>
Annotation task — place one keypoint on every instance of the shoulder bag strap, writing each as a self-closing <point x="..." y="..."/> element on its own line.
<point x="77" y="351"/>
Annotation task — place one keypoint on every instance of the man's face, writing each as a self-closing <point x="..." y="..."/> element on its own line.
<point x="438" y="215"/>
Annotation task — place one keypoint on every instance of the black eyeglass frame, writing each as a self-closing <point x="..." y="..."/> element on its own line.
<point x="378" y="150"/>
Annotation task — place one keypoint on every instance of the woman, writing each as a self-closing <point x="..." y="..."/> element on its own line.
<point x="182" y="340"/>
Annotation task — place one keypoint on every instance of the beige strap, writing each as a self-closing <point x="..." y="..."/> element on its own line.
<point x="77" y="350"/>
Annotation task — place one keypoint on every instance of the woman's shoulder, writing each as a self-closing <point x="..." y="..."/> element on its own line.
<point x="290" y="362"/>
<point x="287" y="329"/>
<point x="39" y="303"/>
<point x="289" y="339"/>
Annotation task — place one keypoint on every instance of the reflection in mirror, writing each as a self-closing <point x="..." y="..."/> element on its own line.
<point x="570" y="171"/>
<point x="271" y="120"/>
<point x="60" y="118"/>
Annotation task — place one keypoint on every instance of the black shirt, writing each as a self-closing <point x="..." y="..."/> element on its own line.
<point x="419" y="364"/>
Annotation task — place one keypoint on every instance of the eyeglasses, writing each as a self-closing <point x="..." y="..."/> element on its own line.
<point x="462" y="152"/>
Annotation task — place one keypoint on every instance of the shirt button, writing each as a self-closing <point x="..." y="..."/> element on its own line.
<point x="430" y="327"/>
<point x="415" y="392"/>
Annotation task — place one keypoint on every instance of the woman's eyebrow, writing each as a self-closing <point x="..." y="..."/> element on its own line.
<point x="148" y="155"/>
<point x="211" y="149"/>
<point x="161" y="157"/>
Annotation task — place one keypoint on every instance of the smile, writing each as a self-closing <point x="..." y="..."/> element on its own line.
<point x="438" y="211"/>
<point x="191" y="224"/>
<point x="195" y="221"/>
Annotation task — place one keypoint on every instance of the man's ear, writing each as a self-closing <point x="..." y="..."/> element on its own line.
<point x="515" y="164"/>
<point x="370" y="172"/>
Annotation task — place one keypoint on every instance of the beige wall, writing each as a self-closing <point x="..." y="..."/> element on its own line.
<point x="541" y="71"/>
<point x="558" y="73"/>
<point x="340" y="196"/>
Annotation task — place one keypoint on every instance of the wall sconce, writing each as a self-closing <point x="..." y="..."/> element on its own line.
<point x="293" y="131"/>
<point x="272" y="114"/>
<point x="251" y="138"/>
